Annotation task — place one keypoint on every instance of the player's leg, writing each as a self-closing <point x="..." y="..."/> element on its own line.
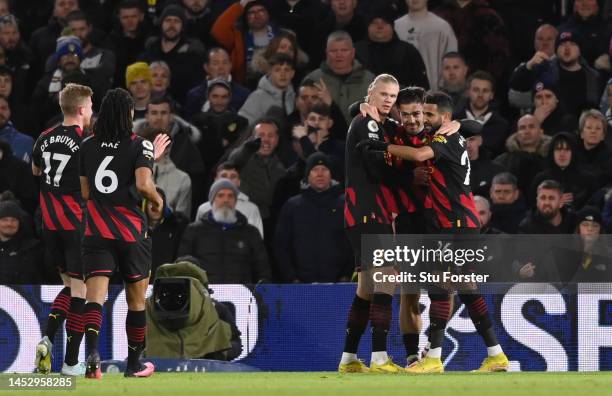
<point x="380" y="320"/>
<point x="74" y="321"/>
<point x="410" y="325"/>
<point x="135" y="265"/>
<point x="438" y="318"/>
<point x="98" y="265"/>
<point x="477" y="308"/>
<point x="59" y="307"/>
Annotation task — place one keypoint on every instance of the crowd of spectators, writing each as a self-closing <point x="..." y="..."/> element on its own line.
<point x="255" y="96"/>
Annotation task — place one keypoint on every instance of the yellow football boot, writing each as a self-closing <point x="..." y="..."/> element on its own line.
<point x="356" y="366"/>
<point x="386" y="368"/>
<point x="425" y="366"/>
<point x="493" y="364"/>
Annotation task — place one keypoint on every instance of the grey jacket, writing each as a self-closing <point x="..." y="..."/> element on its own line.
<point x="264" y="97"/>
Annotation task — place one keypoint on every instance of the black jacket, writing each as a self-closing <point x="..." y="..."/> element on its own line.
<point x="21" y="261"/>
<point x="229" y="253"/>
<point x="166" y="238"/>
<point x="310" y="242"/>
<point x="534" y="223"/>
<point x="483" y="170"/>
<point x="507" y="217"/>
<point x="494" y="132"/>
<point x="596" y="163"/>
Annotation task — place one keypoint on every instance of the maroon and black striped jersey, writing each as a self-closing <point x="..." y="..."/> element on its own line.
<point x="57" y="152"/>
<point x="113" y="208"/>
<point x="367" y="198"/>
<point x="450" y="193"/>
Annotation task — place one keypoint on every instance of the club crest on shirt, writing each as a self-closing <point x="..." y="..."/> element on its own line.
<point x="439" y="139"/>
<point x="147" y="144"/>
<point x="372" y="126"/>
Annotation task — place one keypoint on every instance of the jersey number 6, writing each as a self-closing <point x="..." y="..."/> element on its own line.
<point x="103" y="173"/>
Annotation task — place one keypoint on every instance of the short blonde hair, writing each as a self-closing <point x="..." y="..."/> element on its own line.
<point x="381" y="78"/>
<point x="595" y="114"/>
<point x="73" y="96"/>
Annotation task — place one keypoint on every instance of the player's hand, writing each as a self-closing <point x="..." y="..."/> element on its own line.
<point x="449" y="128"/>
<point x="422" y="175"/>
<point x="253" y="143"/>
<point x="160" y="144"/>
<point x="537" y="58"/>
<point x="299" y="131"/>
<point x="368" y="110"/>
<point x="371" y="144"/>
<point x="324" y="93"/>
<point x="527" y="271"/>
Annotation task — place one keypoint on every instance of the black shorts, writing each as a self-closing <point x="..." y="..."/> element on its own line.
<point x="354" y="235"/>
<point x="63" y="251"/>
<point x="101" y="257"/>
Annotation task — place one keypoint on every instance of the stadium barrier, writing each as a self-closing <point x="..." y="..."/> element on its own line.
<point x="301" y="327"/>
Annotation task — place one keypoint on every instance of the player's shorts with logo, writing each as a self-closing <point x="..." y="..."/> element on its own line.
<point x="102" y="257"/>
<point x="63" y="251"/>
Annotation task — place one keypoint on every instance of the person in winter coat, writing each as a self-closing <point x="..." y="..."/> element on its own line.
<point x="563" y="166"/>
<point x="549" y="216"/>
<point x="310" y="242"/>
<point x="593" y="152"/>
<point x="273" y="90"/>
<point x="228" y="248"/>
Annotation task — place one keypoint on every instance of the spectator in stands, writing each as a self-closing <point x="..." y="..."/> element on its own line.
<point x="274" y="90"/>
<point x="184" y="55"/>
<point x="160" y="78"/>
<point x="587" y="20"/>
<point x="127" y="38"/>
<point x="139" y="82"/>
<point x="19" y="109"/>
<point x="16" y="176"/>
<point x="578" y="83"/>
<point x="185" y="136"/>
<point x="174" y="182"/>
<point x="544" y="44"/>
<point x="228" y="248"/>
<point x="43" y="40"/>
<point x="374" y="52"/>
<point x="594" y="155"/>
<point x="483" y="208"/>
<point x="549" y="216"/>
<point x="343" y="16"/>
<point x="345" y="78"/>
<point x="244" y="40"/>
<point x="260" y="167"/>
<point x="480" y="107"/>
<point x="430" y="34"/>
<point x="310" y="242"/>
<point x="482" y="168"/>
<point x="508" y="207"/>
<point x="21" y="144"/>
<point x="299" y="16"/>
<point x="166" y="235"/>
<point x="547" y="109"/>
<point x="454" y="75"/>
<point x="21" y="255"/>
<point x="229" y="171"/>
<point x="284" y="42"/>
<point x="315" y="136"/>
<point x="221" y="126"/>
<point x="481" y="35"/>
<point x="18" y="58"/>
<point x="217" y="65"/>
<point x="563" y="166"/>
<point x="98" y="63"/>
<point x="199" y="19"/>
<point x="526" y="150"/>
<point x="45" y="98"/>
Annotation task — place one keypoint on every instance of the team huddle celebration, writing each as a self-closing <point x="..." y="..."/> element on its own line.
<point x="350" y="186"/>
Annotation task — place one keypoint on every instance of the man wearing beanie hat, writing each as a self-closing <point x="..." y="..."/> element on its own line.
<point x="20" y="256"/>
<point x="139" y="82"/>
<point x="228" y="247"/>
<point x="310" y="244"/>
<point x="405" y="63"/>
<point x="183" y="55"/>
<point x="578" y="82"/>
<point x="244" y="29"/>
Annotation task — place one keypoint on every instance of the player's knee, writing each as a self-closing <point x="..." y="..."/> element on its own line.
<point x="78" y="288"/>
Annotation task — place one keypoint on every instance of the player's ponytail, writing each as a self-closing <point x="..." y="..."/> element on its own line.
<point x="115" y="117"/>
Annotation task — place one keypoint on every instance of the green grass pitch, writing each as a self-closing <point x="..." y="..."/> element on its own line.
<point x="331" y="383"/>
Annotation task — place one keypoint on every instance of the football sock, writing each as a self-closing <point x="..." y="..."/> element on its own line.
<point x="356" y="324"/>
<point x="136" y="329"/>
<point x="74" y="330"/>
<point x="348" y="357"/>
<point x="411" y="343"/>
<point x="477" y="308"/>
<point x="438" y="318"/>
<point x="59" y="309"/>
<point x="92" y="321"/>
<point x="380" y="320"/>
